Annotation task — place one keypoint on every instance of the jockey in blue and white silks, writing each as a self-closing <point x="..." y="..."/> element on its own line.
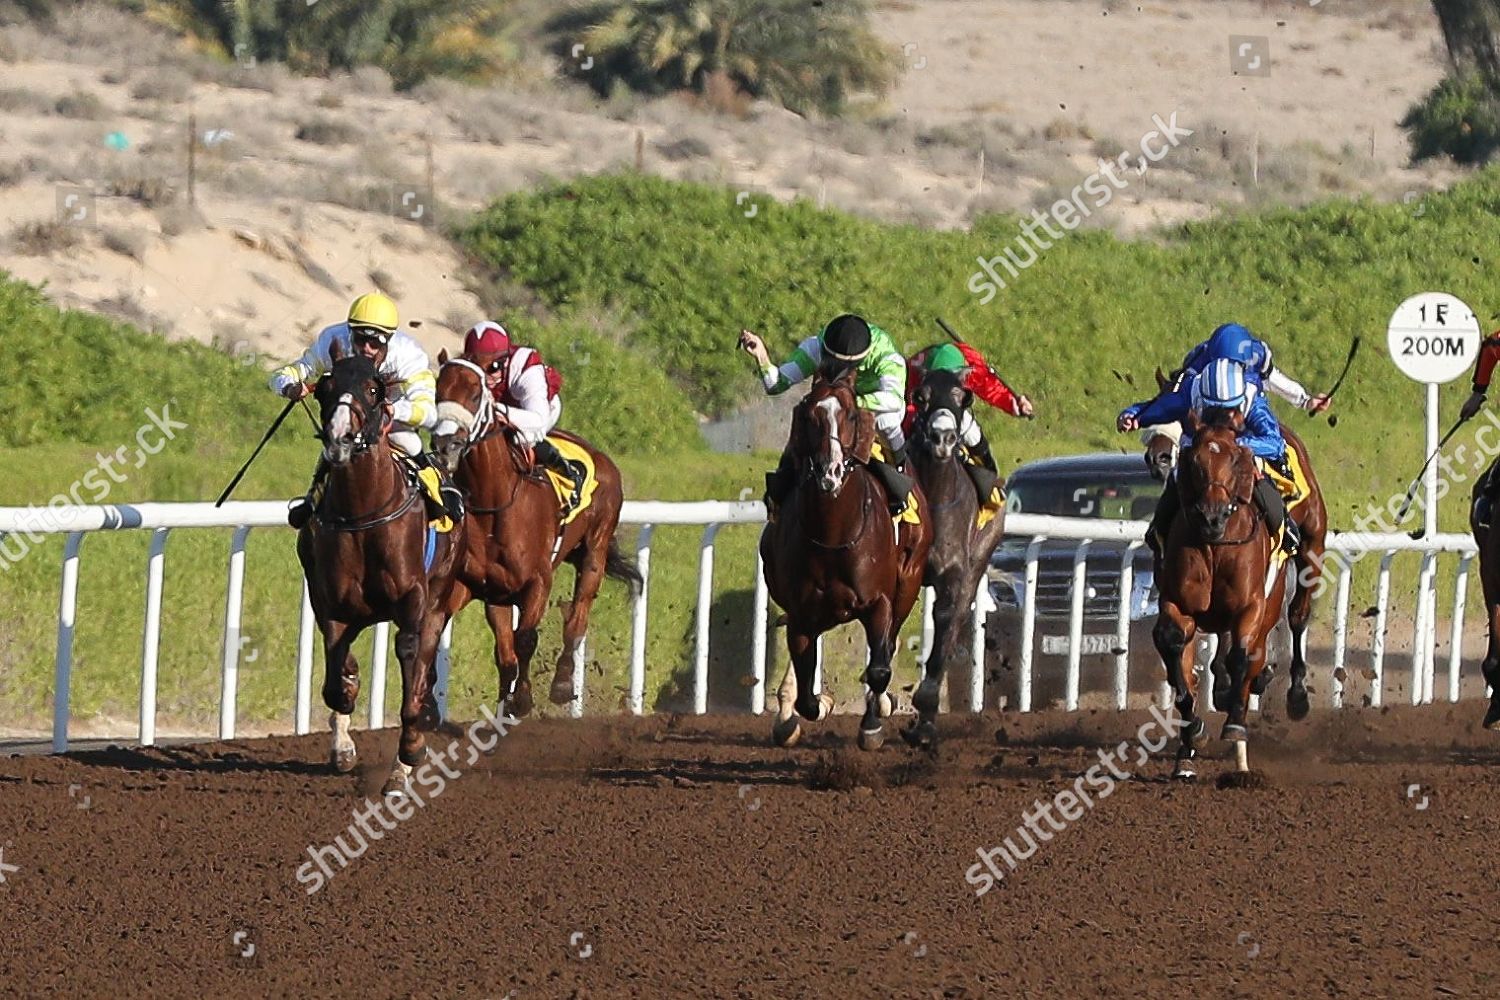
<point x="1223" y="384"/>
<point x="1234" y="342"/>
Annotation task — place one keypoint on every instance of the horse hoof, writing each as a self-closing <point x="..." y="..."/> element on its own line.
<point x="518" y="703"/>
<point x="920" y="735"/>
<point x="1263" y="679"/>
<point x="1195" y="735"/>
<point x="343" y="761"/>
<point x="561" y="692"/>
<point x="886" y="706"/>
<point x="1181" y="773"/>
<point x="1492" y="717"/>
<point x="825" y="706"/>
<point x="1297" y="704"/>
<point x="398" y="785"/>
<point x="1234" y="733"/>
<point x="871" y="739"/>
<point x="927" y="697"/>
<point x="786" y="732"/>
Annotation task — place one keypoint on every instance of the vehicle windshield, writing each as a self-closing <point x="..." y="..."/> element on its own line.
<point x="1129" y="498"/>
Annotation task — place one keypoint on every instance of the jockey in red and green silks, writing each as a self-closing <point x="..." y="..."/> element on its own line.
<point x="879" y="386"/>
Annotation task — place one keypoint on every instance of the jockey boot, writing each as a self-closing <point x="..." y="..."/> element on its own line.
<point x="451" y="504"/>
<point x="897" y="483"/>
<point x="983" y="471"/>
<point x="301" y="511"/>
<point x="1161" y="521"/>
<point x="1268" y="498"/>
<point x="547" y="454"/>
<point x="778" y="485"/>
<point x="1484" y="503"/>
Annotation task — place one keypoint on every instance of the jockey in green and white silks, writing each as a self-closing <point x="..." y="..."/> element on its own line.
<point x="879" y="386"/>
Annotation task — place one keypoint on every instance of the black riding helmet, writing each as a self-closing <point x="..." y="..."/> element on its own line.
<point x="846" y="342"/>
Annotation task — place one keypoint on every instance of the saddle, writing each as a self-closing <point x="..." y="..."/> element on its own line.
<point x="573" y="498"/>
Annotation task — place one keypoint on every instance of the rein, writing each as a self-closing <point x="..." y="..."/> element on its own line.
<point x="363" y="442"/>
<point x="864" y="511"/>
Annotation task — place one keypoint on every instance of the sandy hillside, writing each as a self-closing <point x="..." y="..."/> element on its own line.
<point x="305" y="189"/>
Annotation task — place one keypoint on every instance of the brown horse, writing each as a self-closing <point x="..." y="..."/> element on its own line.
<point x="369" y="556"/>
<point x="1217" y="574"/>
<point x="834" y="556"/>
<point x="1488" y="541"/>
<point x="516" y="538"/>
<point x="1311" y="516"/>
<point x="961" y="549"/>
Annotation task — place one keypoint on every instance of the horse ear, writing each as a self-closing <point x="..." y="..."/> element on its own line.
<point x="336" y="351"/>
<point x="443" y="356"/>
<point x="1191" y="424"/>
<point x="864" y="435"/>
<point x="1162" y="382"/>
<point x="1237" y="420"/>
<point x="968" y="398"/>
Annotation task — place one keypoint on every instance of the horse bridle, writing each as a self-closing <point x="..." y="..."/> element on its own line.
<point x="362" y="444"/>
<point x="848" y="465"/>
<point x="478" y="425"/>
<point x="1236" y="502"/>
<point x="362" y="441"/>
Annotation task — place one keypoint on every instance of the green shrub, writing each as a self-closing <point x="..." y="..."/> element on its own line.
<point x="808" y="57"/>
<point x="1459" y="118"/>
<point x="410" y="39"/>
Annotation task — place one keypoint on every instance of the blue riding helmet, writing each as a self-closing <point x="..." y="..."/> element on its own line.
<point x="1221" y="385"/>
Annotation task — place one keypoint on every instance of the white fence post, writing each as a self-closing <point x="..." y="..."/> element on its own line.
<point x="1028" y="624"/>
<point x="638" y="621"/>
<point x="759" y="614"/>
<point x="444" y="667"/>
<point x="1078" y="597"/>
<point x="379" y="656"/>
<point x="705" y="616"/>
<point x="151" y="636"/>
<point x="1377" y="652"/>
<point x="302" y="723"/>
<point x="233" y="602"/>
<point x="1420" y="649"/>
<point x="67" y="616"/>
<point x="1126" y="615"/>
<point x="1341" y="633"/>
<point x="1456" y="636"/>
<point x="982" y="605"/>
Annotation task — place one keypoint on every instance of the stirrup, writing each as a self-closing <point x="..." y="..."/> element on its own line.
<point x="299" y="513"/>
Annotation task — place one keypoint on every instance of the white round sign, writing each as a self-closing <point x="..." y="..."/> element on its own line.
<point x="1433" y="337"/>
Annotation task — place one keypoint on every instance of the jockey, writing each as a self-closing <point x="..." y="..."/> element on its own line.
<point x="1484" y="370"/>
<point x="979" y="378"/>
<point x="879" y="383"/>
<point x="371" y="330"/>
<point x="1223" y="384"/>
<point x="526" y="391"/>
<point x="1234" y="342"/>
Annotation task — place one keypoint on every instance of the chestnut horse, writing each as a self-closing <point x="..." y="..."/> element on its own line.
<point x="1218" y="573"/>
<point x="960" y="550"/>
<point x="516" y="540"/>
<point x="369" y="556"/>
<point x="1488" y="541"/>
<point x="1311" y="515"/>
<point x="834" y="555"/>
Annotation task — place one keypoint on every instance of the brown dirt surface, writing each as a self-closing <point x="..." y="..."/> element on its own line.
<point x="683" y="856"/>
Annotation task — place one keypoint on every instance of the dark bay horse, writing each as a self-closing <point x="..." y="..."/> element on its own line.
<point x="516" y="540"/>
<point x="369" y="556"/>
<point x="961" y="549"/>
<point x="1488" y="541"/>
<point x="834" y="556"/>
<point x="1219" y="573"/>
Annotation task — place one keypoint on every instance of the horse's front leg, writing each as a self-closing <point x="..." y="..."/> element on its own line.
<point x="1173" y="635"/>
<point x="1489" y="575"/>
<point x="587" y="578"/>
<point x="1247" y="657"/>
<point x="416" y="648"/>
<point x="877" y="623"/>
<point x="802" y="645"/>
<point x="945" y="631"/>
<point x="1309" y="574"/>
<point x="340" y="690"/>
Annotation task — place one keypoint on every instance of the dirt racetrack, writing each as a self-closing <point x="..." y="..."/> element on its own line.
<point x="683" y="856"/>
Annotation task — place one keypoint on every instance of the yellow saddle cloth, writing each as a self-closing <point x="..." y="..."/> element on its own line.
<point x="563" y="486"/>
<point x="431" y="484"/>
<point x="909" y="515"/>
<point x="995" y="502"/>
<point x="1294" y="490"/>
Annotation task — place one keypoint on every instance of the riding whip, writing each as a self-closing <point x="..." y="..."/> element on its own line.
<point x="1353" y="350"/>
<point x="1411" y="491"/>
<point x="246" y="467"/>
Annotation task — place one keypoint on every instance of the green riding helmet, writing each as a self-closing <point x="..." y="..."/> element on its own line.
<point x="947" y="358"/>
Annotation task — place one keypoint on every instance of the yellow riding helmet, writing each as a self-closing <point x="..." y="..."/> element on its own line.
<point x="374" y="311"/>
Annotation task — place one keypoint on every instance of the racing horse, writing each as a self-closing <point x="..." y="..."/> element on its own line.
<point x="1221" y="572"/>
<point x="961" y="547"/>
<point x="1311" y="515"/>
<point x="517" y="535"/>
<point x="1488" y="542"/>
<point x="835" y="555"/>
<point x="369" y="556"/>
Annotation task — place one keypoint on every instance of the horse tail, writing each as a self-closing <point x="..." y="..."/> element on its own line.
<point x="619" y="566"/>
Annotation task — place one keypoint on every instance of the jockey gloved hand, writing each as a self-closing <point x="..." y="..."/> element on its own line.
<point x="752" y="345"/>
<point x="1023" y="403"/>
<point x="1472" y="405"/>
<point x="1319" y="403"/>
<point x="296" y="391"/>
<point x="1128" y="421"/>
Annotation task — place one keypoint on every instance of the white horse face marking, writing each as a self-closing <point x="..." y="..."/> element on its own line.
<point x="1213" y="446"/>
<point x="338" y="444"/>
<point x="942" y="431"/>
<point x="831" y="474"/>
